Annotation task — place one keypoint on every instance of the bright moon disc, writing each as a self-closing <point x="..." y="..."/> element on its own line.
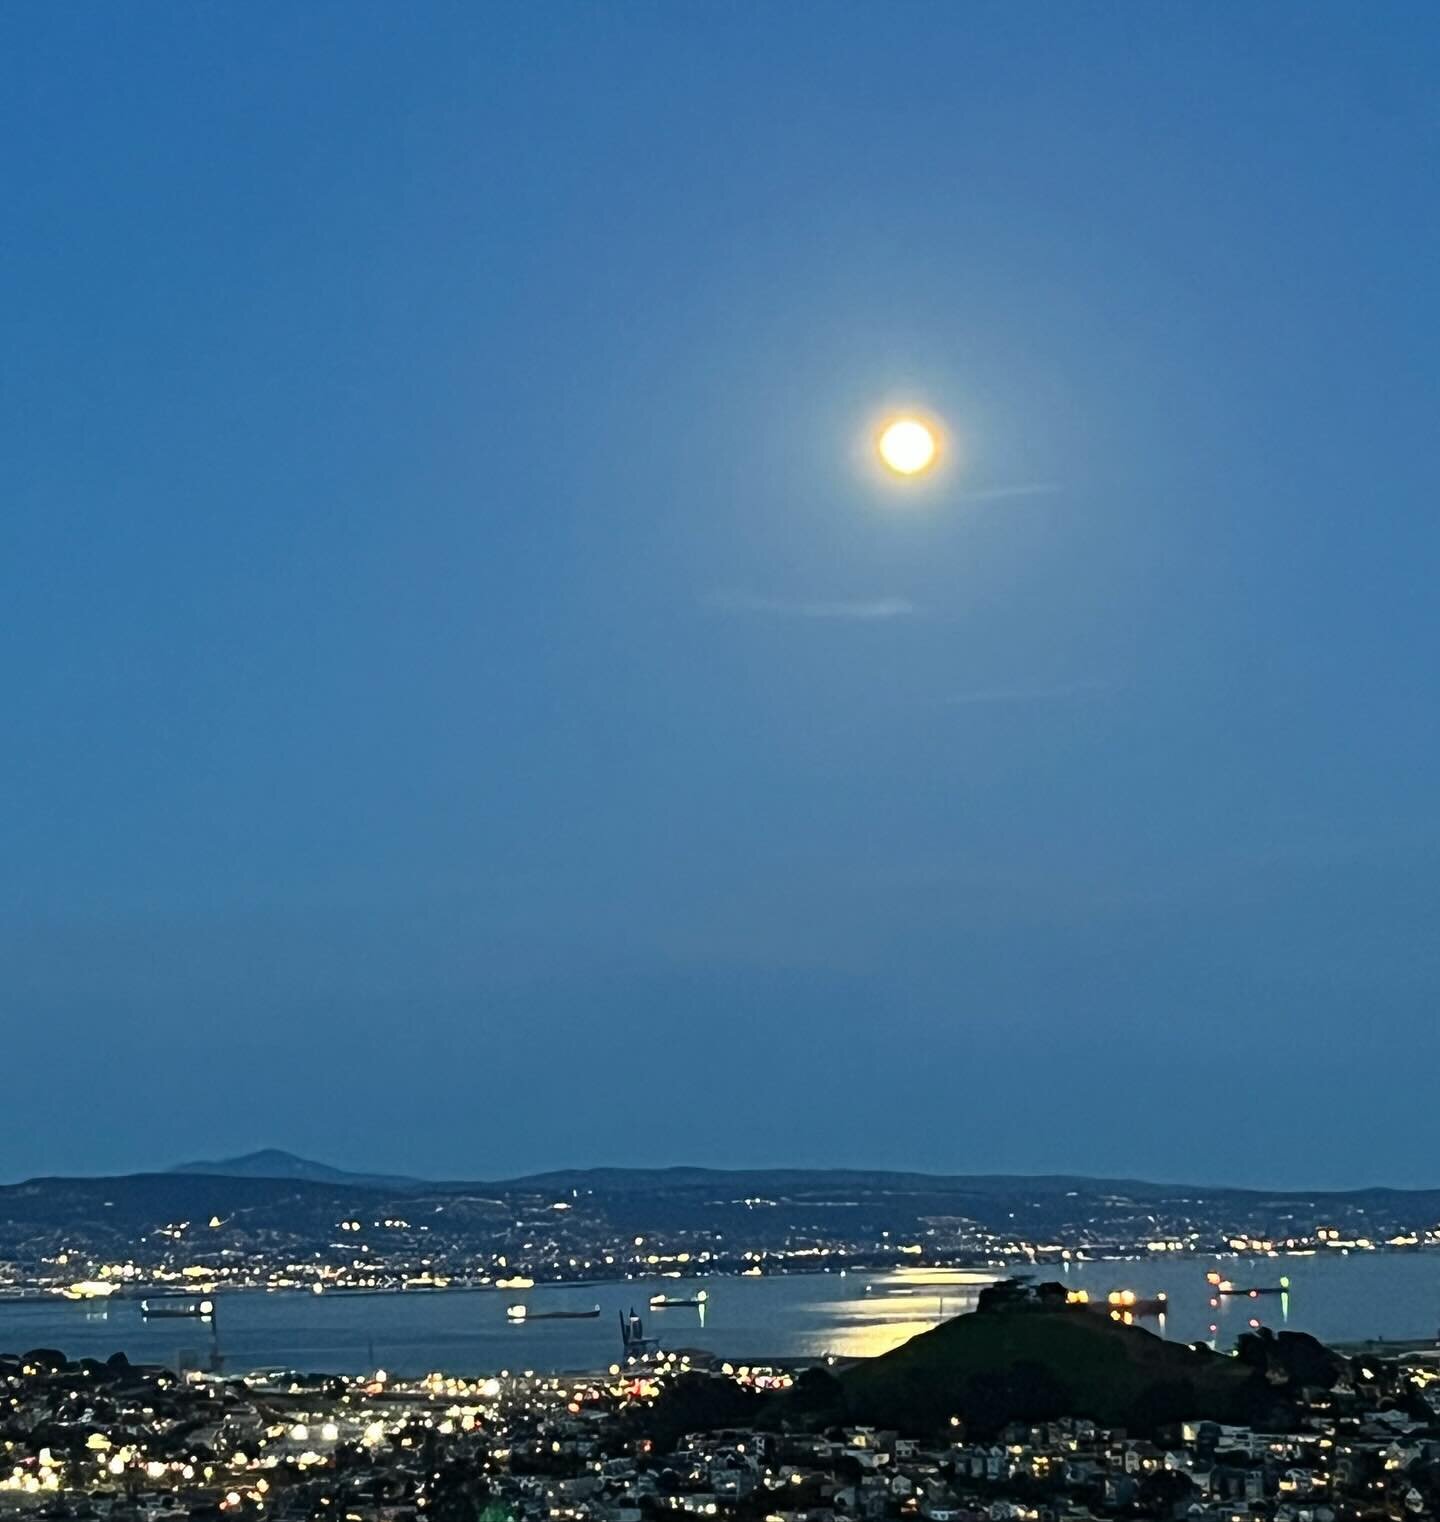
<point x="907" y="446"/>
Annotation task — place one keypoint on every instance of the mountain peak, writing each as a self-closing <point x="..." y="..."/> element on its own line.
<point x="274" y="1162"/>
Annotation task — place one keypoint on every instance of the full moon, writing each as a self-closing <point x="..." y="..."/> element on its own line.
<point x="907" y="446"/>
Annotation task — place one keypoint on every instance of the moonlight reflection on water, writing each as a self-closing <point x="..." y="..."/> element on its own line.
<point x="896" y="1306"/>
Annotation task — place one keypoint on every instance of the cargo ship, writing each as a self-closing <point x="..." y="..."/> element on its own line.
<point x="675" y="1302"/>
<point x="1125" y="1302"/>
<point x="518" y="1313"/>
<point x="177" y="1305"/>
<point x="1121" y="1304"/>
<point x="1252" y="1292"/>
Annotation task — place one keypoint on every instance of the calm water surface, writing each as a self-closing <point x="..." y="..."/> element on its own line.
<point x="1337" y="1297"/>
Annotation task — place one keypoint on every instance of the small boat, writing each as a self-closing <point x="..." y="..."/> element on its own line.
<point x="519" y="1313"/>
<point x="177" y="1305"/>
<point x="517" y="1281"/>
<point x="675" y="1302"/>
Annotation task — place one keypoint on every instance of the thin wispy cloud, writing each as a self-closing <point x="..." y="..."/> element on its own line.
<point x="844" y="610"/>
<point x="999" y="493"/>
<point x="1051" y="694"/>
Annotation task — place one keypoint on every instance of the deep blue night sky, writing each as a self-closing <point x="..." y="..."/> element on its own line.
<point x="469" y="707"/>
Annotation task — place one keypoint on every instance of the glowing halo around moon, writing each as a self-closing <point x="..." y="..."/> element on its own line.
<point x="907" y="446"/>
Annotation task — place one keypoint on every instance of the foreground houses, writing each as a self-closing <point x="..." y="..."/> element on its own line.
<point x="115" y="1440"/>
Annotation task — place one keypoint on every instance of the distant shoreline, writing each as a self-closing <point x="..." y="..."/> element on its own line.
<point x="29" y="1294"/>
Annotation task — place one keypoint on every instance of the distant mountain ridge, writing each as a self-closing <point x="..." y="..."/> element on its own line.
<point x="274" y="1163"/>
<point x="272" y="1200"/>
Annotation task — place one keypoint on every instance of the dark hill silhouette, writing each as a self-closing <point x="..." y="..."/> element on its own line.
<point x="1022" y="1357"/>
<point x="1039" y="1360"/>
<point x="271" y="1162"/>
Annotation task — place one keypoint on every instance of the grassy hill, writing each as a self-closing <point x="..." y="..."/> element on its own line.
<point x="1014" y="1362"/>
<point x="1030" y="1364"/>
